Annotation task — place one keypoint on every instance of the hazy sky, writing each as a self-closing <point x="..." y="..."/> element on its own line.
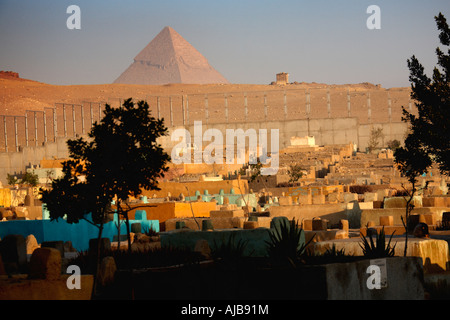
<point x="248" y="41"/>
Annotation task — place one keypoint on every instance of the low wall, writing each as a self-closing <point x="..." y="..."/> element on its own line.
<point x="255" y="239"/>
<point x="433" y="252"/>
<point x="332" y="212"/>
<point x="404" y="280"/>
<point x="374" y="214"/>
<point x="169" y="210"/>
<point x="78" y="233"/>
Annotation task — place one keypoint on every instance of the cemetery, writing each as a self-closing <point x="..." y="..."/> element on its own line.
<point x="214" y="230"/>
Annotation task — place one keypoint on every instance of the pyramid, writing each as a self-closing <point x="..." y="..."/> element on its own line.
<point x="169" y="58"/>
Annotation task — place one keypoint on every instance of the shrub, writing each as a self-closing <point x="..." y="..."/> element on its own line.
<point x="285" y="243"/>
<point x="377" y="249"/>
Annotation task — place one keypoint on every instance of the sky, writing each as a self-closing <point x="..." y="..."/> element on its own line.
<point x="247" y="41"/>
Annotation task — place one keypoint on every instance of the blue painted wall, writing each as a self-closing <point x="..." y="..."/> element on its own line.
<point x="78" y="233"/>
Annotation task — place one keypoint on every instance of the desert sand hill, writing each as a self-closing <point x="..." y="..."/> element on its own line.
<point x="18" y="95"/>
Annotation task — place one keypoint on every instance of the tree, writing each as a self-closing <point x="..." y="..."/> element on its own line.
<point x="412" y="161"/>
<point x="295" y="172"/>
<point x="28" y="178"/>
<point x="428" y="140"/>
<point x="120" y="158"/>
<point x="393" y="144"/>
<point x="374" y="139"/>
<point x="431" y="126"/>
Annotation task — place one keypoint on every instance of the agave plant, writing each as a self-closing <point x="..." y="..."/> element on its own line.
<point x="377" y="249"/>
<point x="285" y="242"/>
<point x="229" y="250"/>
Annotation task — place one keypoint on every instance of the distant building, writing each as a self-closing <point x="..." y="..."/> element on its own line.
<point x="282" y="78"/>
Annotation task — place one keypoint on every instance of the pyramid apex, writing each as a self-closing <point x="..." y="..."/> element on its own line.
<point x="169" y="58"/>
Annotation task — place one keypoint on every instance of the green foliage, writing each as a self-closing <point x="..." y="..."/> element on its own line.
<point x="393" y="144"/>
<point x="28" y="179"/>
<point x="285" y="242"/>
<point x="150" y="232"/>
<point x="230" y="251"/>
<point x="430" y="127"/>
<point x="295" y="172"/>
<point x="120" y="158"/>
<point x="379" y="248"/>
<point x="255" y="169"/>
<point x="331" y="255"/>
<point x="12" y="180"/>
<point x="376" y="134"/>
<point x="412" y="160"/>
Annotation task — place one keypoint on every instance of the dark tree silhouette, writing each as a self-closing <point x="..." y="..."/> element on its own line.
<point x="431" y="126"/>
<point x="429" y="138"/>
<point x="119" y="160"/>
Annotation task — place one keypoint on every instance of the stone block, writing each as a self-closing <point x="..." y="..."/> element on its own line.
<point x="21" y="212"/>
<point x="247" y="210"/>
<point x="304" y="199"/>
<point x="349" y="197"/>
<point x="343" y="224"/>
<point x="237" y="222"/>
<point x="341" y="234"/>
<point x="45" y="263"/>
<point x="32" y="243"/>
<point x="318" y="199"/>
<point x="285" y="201"/>
<point x="13" y="250"/>
<point x="207" y="225"/>
<point x="381" y="194"/>
<point x="371" y="224"/>
<point x="333" y="197"/>
<point x="251" y="224"/>
<point x="370" y="196"/>
<point x="180" y="224"/>
<point x="58" y="245"/>
<point x="400" y="202"/>
<point x="228" y="207"/>
<point x="227" y="213"/>
<point x="386" y="220"/>
<point x="378" y="204"/>
<point x="136" y="227"/>
<point x="433" y="202"/>
<point x="107" y="271"/>
<point x="319" y="224"/>
<point x="307" y="224"/>
<point x="29" y="200"/>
